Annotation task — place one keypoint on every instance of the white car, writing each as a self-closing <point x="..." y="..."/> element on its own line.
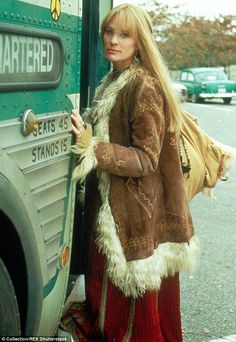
<point x="181" y="90"/>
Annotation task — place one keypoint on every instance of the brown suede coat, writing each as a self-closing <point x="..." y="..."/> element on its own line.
<point x="147" y="191"/>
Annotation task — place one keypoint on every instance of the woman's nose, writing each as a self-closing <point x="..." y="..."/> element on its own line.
<point x="114" y="39"/>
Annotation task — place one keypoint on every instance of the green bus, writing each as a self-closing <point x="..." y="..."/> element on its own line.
<point x="48" y="65"/>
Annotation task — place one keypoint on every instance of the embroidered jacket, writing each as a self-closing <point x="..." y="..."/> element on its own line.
<point x="144" y="226"/>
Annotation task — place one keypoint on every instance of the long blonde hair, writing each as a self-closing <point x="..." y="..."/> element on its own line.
<point x="139" y="25"/>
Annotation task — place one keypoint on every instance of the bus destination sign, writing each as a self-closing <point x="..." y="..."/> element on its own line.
<point x="29" y="58"/>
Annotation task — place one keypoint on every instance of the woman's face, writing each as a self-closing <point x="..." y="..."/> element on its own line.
<point x="119" y="47"/>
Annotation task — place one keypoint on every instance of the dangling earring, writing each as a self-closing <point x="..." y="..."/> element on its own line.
<point x="136" y="57"/>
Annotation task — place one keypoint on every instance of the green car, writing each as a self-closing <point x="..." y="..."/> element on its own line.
<point x="207" y="83"/>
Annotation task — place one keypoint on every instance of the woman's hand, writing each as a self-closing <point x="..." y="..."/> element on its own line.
<point x="77" y="124"/>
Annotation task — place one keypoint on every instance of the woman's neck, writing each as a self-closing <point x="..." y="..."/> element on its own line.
<point x="120" y="68"/>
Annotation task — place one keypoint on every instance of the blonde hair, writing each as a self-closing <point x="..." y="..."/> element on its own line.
<point x="139" y="25"/>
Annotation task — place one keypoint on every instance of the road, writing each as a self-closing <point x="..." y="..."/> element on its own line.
<point x="208" y="295"/>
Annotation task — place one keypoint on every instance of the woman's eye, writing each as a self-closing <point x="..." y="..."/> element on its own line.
<point x="108" y="31"/>
<point x="124" y="34"/>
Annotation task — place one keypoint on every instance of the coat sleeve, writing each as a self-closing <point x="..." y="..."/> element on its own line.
<point x="147" y="126"/>
<point x="147" y="129"/>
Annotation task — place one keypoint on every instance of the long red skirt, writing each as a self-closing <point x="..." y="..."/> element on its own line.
<point x="107" y="315"/>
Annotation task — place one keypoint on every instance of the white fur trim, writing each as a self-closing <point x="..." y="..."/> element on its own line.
<point x="87" y="161"/>
<point x="135" y="277"/>
<point x="105" y="100"/>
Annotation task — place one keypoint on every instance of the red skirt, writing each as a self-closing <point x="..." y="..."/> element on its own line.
<point x="107" y="315"/>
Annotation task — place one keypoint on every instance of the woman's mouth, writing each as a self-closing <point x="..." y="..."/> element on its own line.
<point x="112" y="51"/>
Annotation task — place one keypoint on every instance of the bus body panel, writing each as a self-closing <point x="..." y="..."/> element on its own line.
<point x="36" y="168"/>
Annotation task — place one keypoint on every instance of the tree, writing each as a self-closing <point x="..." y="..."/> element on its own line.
<point x="163" y="16"/>
<point x="199" y="42"/>
<point x="188" y="41"/>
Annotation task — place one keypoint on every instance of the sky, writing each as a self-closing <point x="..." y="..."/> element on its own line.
<point x="206" y="8"/>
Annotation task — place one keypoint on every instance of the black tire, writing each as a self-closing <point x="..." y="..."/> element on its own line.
<point x="194" y="98"/>
<point x="9" y="313"/>
<point x="227" y="100"/>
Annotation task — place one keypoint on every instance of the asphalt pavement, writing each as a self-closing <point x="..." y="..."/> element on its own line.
<point x="208" y="296"/>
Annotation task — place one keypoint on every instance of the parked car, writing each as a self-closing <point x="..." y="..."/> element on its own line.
<point x="207" y="83"/>
<point x="181" y="90"/>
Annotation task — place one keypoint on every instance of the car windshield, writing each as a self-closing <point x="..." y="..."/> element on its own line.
<point x="211" y="76"/>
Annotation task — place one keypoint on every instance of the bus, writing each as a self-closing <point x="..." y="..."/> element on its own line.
<point x="48" y="65"/>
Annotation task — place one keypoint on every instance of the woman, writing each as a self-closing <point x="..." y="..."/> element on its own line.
<point x="141" y="228"/>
